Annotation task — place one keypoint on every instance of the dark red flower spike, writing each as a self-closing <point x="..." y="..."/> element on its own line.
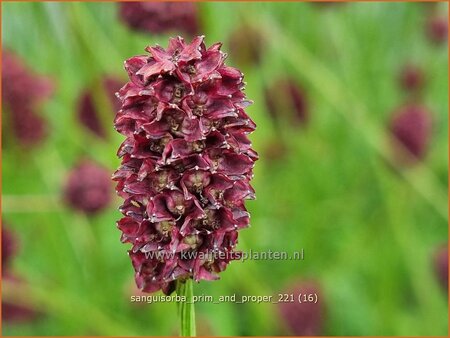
<point x="186" y="162"/>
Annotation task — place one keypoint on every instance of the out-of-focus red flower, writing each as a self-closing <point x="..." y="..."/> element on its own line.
<point x="89" y="115"/>
<point x="21" y="82"/>
<point x="23" y="92"/>
<point x="275" y="150"/>
<point x="161" y="17"/>
<point x="186" y="163"/>
<point x="411" y="127"/>
<point x="437" y="29"/>
<point x="14" y="313"/>
<point x="88" y="187"/>
<point x="9" y="247"/>
<point x="204" y="327"/>
<point x="286" y="99"/>
<point x="29" y="127"/>
<point x="305" y="318"/>
<point x="441" y="266"/>
<point x="411" y="78"/>
<point x="327" y="5"/>
<point x="246" y="45"/>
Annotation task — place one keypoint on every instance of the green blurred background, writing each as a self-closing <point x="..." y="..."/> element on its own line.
<point x="369" y="228"/>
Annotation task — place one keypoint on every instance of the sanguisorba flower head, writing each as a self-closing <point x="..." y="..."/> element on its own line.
<point x="186" y="163"/>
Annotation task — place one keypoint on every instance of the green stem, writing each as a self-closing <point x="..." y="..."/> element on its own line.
<point x="186" y="310"/>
